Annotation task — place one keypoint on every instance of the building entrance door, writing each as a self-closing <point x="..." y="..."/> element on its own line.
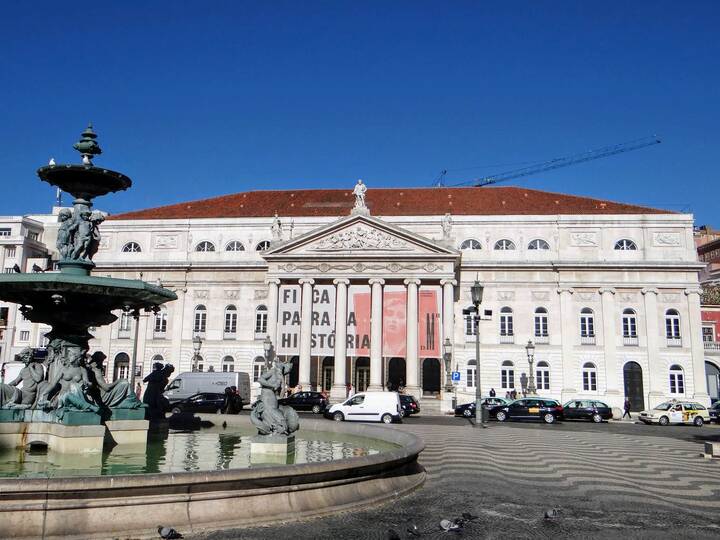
<point x="431" y="377"/>
<point x="362" y="379"/>
<point x="327" y="378"/>
<point x="632" y="373"/>
<point x="396" y="374"/>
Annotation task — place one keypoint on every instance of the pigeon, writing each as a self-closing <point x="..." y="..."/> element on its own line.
<point x="413" y="530"/>
<point x="86" y="160"/>
<point x="448" y="525"/>
<point x="36" y="268"/>
<point x="51" y="162"/>
<point x="168" y="533"/>
<point x="158" y="282"/>
<point x="16" y="269"/>
<point x="553" y="513"/>
<point x="224" y="425"/>
<point x="392" y="534"/>
<point x="469" y="517"/>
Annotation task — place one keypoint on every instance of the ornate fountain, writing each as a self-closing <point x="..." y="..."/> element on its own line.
<point x="64" y="401"/>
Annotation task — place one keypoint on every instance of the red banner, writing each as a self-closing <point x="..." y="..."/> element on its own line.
<point x="429" y="323"/>
<point x="394" y="321"/>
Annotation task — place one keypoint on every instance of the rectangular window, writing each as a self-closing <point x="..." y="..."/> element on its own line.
<point x="629" y="326"/>
<point x="125" y="322"/>
<point x="589" y="381"/>
<point x="507" y="378"/>
<point x="230" y="322"/>
<point x="261" y="322"/>
<point x="541" y="326"/>
<point x="10" y="251"/>
<point x="470" y="377"/>
<point x="543" y="379"/>
<point x="200" y="321"/>
<point x="506" y="325"/>
<point x="672" y="327"/>
<point x="587" y="326"/>
<point x="32" y="235"/>
<point x="257" y="370"/>
<point x="470" y="328"/>
<point x="24" y="335"/>
<point x="708" y="334"/>
<point x="161" y="323"/>
<point x="5" y="231"/>
<point x="677" y="383"/>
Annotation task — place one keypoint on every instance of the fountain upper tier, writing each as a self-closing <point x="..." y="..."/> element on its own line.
<point x="84" y="181"/>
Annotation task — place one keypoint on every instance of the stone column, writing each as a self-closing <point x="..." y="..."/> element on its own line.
<point x="338" y="391"/>
<point x="700" y="391"/>
<point x="273" y="286"/>
<point x="612" y="386"/>
<point x="568" y="338"/>
<point x="305" y="333"/>
<point x="376" y="335"/>
<point x="652" y="333"/>
<point x="448" y="286"/>
<point x="412" y="385"/>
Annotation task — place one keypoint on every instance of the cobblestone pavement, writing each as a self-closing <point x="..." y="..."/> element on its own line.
<point x="608" y="481"/>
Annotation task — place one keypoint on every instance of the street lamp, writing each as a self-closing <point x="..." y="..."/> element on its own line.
<point x="476" y="293"/>
<point x="197" y="345"/>
<point x="447" y="355"/>
<point x="530" y="348"/>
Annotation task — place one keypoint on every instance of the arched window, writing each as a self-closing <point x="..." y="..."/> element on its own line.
<point x="506" y="321"/>
<point x="470" y="244"/>
<point x="200" y="363"/>
<point x="131" y="247"/>
<point x="263" y="246"/>
<point x="538" y="243"/>
<point x="261" y="320"/>
<point x="157" y="359"/>
<point x="504" y="245"/>
<point x="200" y="319"/>
<point x="587" y="326"/>
<point x="672" y="324"/>
<point x="121" y="368"/>
<point x="541" y="322"/>
<point x="228" y="364"/>
<point x="235" y="245"/>
<point x="542" y="374"/>
<point x="470" y="374"/>
<point x="205" y="246"/>
<point x="161" y="321"/>
<point x="230" y="320"/>
<point x="507" y="375"/>
<point x="625" y="245"/>
<point x="125" y="321"/>
<point x="258" y="367"/>
<point x="629" y="323"/>
<point x="470" y="326"/>
<point x="589" y="377"/>
<point x="677" y="380"/>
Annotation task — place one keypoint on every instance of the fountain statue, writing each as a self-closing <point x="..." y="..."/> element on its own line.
<point x="68" y="387"/>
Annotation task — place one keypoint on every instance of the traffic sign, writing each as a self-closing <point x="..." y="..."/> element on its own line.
<point x="455" y="376"/>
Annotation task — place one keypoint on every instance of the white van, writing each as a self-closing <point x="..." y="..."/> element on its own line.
<point x="367" y="407"/>
<point x="189" y="383"/>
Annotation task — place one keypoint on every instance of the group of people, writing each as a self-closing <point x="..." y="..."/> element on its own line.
<point x="232" y="402"/>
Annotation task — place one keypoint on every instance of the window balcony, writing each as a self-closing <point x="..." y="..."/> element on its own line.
<point x="507" y="339"/>
<point x="541" y="340"/>
<point x="630" y="341"/>
<point x="711" y="345"/>
<point x="587" y="340"/>
<point x="260" y="335"/>
<point x="124" y="334"/>
<point x="159" y="335"/>
<point x="229" y="335"/>
<point x="674" y="342"/>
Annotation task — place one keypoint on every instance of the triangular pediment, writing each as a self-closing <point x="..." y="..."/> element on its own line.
<point x="359" y="235"/>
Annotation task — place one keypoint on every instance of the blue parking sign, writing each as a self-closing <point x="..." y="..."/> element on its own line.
<point x="456" y="376"/>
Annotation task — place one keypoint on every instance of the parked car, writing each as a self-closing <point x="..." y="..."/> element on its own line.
<point x="306" y="401"/>
<point x="468" y="409"/>
<point x="587" y="409"/>
<point x="189" y="383"/>
<point x="676" y="412"/>
<point x="207" y="402"/>
<point x="367" y="406"/>
<point x="408" y="405"/>
<point x="714" y="413"/>
<point x="547" y="410"/>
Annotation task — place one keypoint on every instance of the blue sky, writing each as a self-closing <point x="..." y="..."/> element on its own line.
<point x="195" y="99"/>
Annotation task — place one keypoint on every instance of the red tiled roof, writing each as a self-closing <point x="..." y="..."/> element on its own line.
<point x="493" y="201"/>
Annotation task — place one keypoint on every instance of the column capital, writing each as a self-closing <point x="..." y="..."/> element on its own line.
<point x="693" y="290"/>
<point x="650" y="290"/>
<point x="607" y="290"/>
<point x="569" y="290"/>
<point x="452" y="282"/>
<point x="341" y="281"/>
<point x="272" y="281"/>
<point x="411" y="281"/>
<point x="376" y="281"/>
<point x="306" y="281"/>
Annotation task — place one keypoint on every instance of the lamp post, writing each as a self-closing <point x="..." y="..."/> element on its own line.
<point x="197" y="345"/>
<point x="530" y="348"/>
<point x="447" y="355"/>
<point x="476" y="292"/>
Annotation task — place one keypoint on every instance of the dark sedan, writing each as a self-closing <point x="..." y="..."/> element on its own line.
<point x="587" y="409"/>
<point x="468" y="409"/>
<point x="409" y="405"/>
<point x="204" y="402"/>
<point x="306" y="401"/>
<point x="714" y="413"/>
<point x="547" y="410"/>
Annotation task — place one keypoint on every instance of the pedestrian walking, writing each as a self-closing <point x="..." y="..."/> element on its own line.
<point x="351" y="391"/>
<point x="626" y="407"/>
<point x="492" y="392"/>
<point x="138" y="390"/>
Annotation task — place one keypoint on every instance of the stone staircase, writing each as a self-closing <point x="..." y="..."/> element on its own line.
<point x="430" y="407"/>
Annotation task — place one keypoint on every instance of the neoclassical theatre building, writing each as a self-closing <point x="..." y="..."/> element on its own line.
<point x="369" y="289"/>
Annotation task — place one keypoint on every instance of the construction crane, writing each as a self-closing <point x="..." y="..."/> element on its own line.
<point x="557" y="163"/>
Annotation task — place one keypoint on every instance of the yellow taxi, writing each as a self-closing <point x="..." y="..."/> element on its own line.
<point x="676" y="412"/>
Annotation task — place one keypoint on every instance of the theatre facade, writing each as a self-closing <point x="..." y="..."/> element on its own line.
<point x="370" y="288"/>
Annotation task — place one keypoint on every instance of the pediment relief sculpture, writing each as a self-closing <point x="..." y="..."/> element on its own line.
<point x="361" y="238"/>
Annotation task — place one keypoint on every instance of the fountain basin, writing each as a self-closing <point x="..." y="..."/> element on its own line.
<point x="84" y="181"/>
<point x="117" y="506"/>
